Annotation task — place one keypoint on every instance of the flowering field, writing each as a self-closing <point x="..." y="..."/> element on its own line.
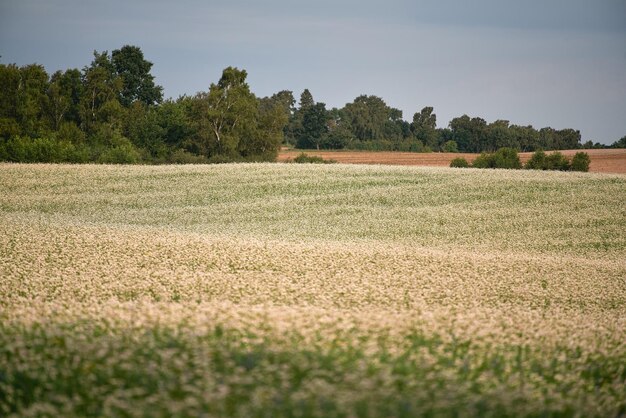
<point x="311" y="290"/>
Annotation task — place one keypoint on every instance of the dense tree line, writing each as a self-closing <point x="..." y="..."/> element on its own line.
<point x="368" y="123"/>
<point x="112" y="111"/>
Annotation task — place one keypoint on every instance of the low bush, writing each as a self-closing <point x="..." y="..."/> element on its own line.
<point x="42" y="150"/>
<point x="502" y="158"/>
<point x="180" y="156"/>
<point x="557" y="161"/>
<point x="450" y="146"/>
<point x="311" y="159"/>
<point x="537" y="161"/>
<point x="507" y="158"/>
<point x="484" y="160"/>
<point x="459" y="162"/>
<point x="121" y="154"/>
<point x="580" y="162"/>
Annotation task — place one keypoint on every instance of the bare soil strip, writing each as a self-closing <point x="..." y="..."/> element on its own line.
<point x="602" y="160"/>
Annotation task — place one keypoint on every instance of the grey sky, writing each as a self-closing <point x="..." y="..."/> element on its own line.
<point x="559" y="63"/>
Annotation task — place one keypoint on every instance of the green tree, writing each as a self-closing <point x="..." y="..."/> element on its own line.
<point x="172" y="118"/>
<point x="64" y="92"/>
<point x="10" y="84"/>
<point x="273" y="115"/>
<point x="526" y="137"/>
<point x="101" y="88"/>
<point x="620" y="143"/>
<point x="367" y="117"/>
<point x="580" y="162"/>
<point x="142" y="126"/>
<point x="32" y="100"/>
<point x="469" y="134"/>
<point x="306" y="100"/>
<point x="450" y="146"/>
<point x="424" y="127"/>
<point x="314" y="126"/>
<point x="137" y="82"/>
<point x="498" y="135"/>
<point x="226" y="114"/>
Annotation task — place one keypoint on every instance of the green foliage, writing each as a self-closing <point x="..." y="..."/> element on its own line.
<point x="42" y="150"/>
<point x="484" y="160"/>
<point x="507" y="158"/>
<point x="117" y="93"/>
<point x="450" y="146"/>
<point x="620" y="143"/>
<point x="314" y="127"/>
<point x="138" y="83"/>
<point x="503" y="158"/>
<point x="580" y="162"/>
<point x="424" y="127"/>
<point x="311" y="159"/>
<point x="9" y="128"/>
<point x="181" y="156"/>
<point x="459" y="162"/>
<point x="120" y="154"/>
<point x="537" y="161"/>
<point x="556" y="161"/>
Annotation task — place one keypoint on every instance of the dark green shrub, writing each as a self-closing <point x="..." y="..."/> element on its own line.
<point x="502" y="158"/>
<point x="556" y="161"/>
<point x="180" y="156"/>
<point x="450" y="146"/>
<point x="507" y="158"/>
<point x="537" y="161"/>
<point x="580" y="162"/>
<point x="121" y="154"/>
<point x="311" y="159"/>
<point x="24" y="149"/>
<point x="459" y="162"/>
<point x="68" y="131"/>
<point x="484" y="160"/>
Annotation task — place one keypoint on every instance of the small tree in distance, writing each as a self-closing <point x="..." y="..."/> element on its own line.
<point x="459" y="162"/>
<point x="580" y="162"/>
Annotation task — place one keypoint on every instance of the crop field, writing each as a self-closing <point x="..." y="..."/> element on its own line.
<point x="269" y="290"/>
<point x="602" y="160"/>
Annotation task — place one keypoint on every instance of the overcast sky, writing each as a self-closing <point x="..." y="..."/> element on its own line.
<point x="559" y="63"/>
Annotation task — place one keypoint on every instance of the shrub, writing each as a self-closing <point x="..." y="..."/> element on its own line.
<point x="556" y="161"/>
<point x="450" y="146"/>
<point x="507" y="158"/>
<point x="121" y="154"/>
<point x="311" y="159"/>
<point x="503" y="158"/>
<point x="537" y="161"/>
<point x="580" y="162"/>
<point x="484" y="160"/>
<point x="68" y="131"/>
<point x="23" y="149"/>
<point x="459" y="162"/>
<point x="180" y="156"/>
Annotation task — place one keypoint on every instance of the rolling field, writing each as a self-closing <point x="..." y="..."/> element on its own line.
<point x="265" y="290"/>
<point x="602" y="160"/>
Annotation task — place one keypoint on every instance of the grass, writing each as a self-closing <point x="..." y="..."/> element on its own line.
<point x="323" y="290"/>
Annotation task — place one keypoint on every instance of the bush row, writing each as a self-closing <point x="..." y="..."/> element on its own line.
<point x="509" y="159"/>
<point x="23" y="149"/>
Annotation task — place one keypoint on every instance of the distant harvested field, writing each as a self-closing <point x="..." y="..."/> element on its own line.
<point x="293" y="290"/>
<point x="602" y="160"/>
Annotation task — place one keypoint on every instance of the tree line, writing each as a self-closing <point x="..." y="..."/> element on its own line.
<point x="112" y="111"/>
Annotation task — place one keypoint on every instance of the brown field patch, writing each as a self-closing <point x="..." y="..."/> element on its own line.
<point x="602" y="160"/>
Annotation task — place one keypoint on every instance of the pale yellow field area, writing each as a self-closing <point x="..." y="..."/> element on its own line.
<point x="489" y="292"/>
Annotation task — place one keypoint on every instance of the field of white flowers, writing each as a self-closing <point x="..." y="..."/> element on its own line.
<point x="291" y="290"/>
